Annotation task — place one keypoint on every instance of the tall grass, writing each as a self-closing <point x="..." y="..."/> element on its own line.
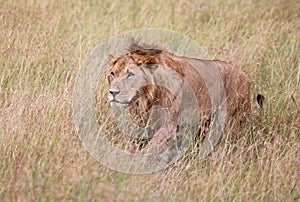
<point x="44" y="43"/>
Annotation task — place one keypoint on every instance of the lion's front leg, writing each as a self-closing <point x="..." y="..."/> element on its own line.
<point x="159" y="128"/>
<point x="161" y="139"/>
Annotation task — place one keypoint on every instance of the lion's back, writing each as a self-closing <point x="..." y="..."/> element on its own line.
<point x="208" y="77"/>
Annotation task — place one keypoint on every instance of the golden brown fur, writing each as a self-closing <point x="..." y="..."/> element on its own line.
<point x="137" y="77"/>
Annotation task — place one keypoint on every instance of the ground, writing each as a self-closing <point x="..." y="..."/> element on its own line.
<point x="43" y="44"/>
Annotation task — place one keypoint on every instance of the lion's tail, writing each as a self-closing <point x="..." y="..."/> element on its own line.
<point x="260" y="100"/>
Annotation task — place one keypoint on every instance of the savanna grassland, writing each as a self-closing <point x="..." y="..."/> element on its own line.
<point x="43" y="44"/>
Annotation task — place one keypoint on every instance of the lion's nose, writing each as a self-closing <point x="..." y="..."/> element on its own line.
<point x="114" y="92"/>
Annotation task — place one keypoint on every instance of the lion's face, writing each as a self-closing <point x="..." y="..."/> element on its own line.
<point x="127" y="77"/>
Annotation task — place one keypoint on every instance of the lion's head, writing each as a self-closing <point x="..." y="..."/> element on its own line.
<point x="140" y="79"/>
<point x="131" y="76"/>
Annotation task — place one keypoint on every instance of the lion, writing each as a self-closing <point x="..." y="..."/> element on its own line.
<point x="148" y="77"/>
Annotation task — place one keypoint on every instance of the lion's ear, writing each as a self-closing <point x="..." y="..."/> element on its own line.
<point x="111" y="58"/>
<point x="150" y="62"/>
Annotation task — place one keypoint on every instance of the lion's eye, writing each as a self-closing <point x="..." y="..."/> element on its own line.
<point x="112" y="75"/>
<point x="130" y="75"/>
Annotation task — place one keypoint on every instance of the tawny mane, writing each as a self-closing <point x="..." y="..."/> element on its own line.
<point x="154" y="54"/>
<point x="136" y="47"/>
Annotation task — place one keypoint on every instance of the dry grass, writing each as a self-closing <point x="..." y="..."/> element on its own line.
<point x="44" y="43"/>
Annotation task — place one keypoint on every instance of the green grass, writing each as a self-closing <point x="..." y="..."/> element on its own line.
<point x="44" y="43"/>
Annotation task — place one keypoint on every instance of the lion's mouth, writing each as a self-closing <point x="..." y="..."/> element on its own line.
<point x="115" y="102"/>
<point x="119" y="102"/>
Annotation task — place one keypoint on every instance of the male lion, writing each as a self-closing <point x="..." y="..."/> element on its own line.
<point x="147" y="77"/>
